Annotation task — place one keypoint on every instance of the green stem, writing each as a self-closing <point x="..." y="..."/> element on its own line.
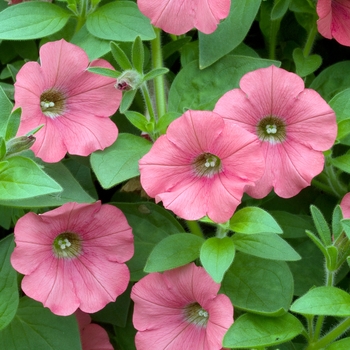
<point x="159" y="86"/>
<point x="148" y="101"/>
<point x="83" y="10"/>
<point x="310" y="40"/>
<point x="195" y="228"/>
<point x="331" y="336"/>
<point x="274" y="28"/>
<point x="310" y="327"/>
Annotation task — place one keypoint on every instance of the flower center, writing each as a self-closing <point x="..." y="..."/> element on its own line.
<point x="272" y="129"/>
<point x="195" y="314"/>
<point x="52" y="103"/>
<point x="207" y="164"/>
<point x="67" y="245"/>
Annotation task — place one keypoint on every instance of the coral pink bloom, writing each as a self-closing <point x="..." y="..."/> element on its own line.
<point x="92" y="336"/>
<point x="74" y="256"/>
<point x="180" y="16"/>
<point x="334" y="20"/>
<point x="72" y="103"/>
<point x="201" y="166"/>
<point x="345" y="206"/>
<point x="294" y="126"/>
<point x="180" y="309"/>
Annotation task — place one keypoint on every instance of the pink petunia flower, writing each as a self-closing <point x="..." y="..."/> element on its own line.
<point x="345" y="206"/>
<point x="92" y="336"/>
<point x="201" y="166"/>
<point x="179" y="16"/>
<point x="334" y="20"/>
<point x="294" y="125"/>
<point x="180" y="309"/>
<point x="73" y="103"/>
<point x="74" y="256"/>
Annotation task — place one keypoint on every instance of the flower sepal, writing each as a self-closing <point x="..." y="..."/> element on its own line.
<point x="17" y="145"/>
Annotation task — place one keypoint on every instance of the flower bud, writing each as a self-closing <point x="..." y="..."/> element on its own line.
<point x="129" y="80"/>
<point x="19" y="144"/>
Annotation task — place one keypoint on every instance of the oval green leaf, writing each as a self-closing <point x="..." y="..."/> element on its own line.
<point x="32" y="20"/>
<point x="119" y="162"/>
<point x="9" y="297"/>
<point x="328" y="301"/>
<point x="216" y="256"/>
<point x="120" y="21"/>
<point x="254" y="331"/>
<point x="258" y="285"/>
<point x="254" y="220"/>
<point x="174" y="251"/>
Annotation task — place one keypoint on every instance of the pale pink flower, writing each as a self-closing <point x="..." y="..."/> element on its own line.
<point x="74" y="256"/>
<point x="345" y="206"/>
<point x="334" y="20"/>
<point x="201" y="166"/>
<point x="294" y="125"/>
<point x="72" y="103"/>
<point x="180" y="309"/>
<point x="92" y="336"/>
<point x="179" y="16"/>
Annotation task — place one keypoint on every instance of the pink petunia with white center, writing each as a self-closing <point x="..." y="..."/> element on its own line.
<point x="73" y="104"/>
<point x="201" y="166"/>
<point x="180" y="309"/>
<point x="92" y="336"/>
<point x="294" y="125"/>
<point x="179" y="16"/>
<point x="334" y="20"/>
<point x="74" y="256"/>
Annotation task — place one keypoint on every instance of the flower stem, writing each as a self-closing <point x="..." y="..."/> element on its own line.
<point x="148" y="101"/>
<point x="83" y="10"/>
<point x="332" y="335"/>
<point x="274" y="28"/>
<point x="159" y="86"/>
<point x="195" y="228"/>
<point x="310" y="39"/>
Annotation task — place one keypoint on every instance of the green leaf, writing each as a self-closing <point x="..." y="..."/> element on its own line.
<point x="214" y="46"/>
<point x="120" y="57"/>
<point x="2" y="148"/>
<point x="165" y="120"/>
<point x="328" y="301"/>
<point x="36" y="327"/>
<point x="321" y="225"/>
<point x="106" y="72"/>
<point x="265" y="245"/>
<point x="137" y="55"/>
<point x="9" y="297"/>
<point x="216" y="256"/>
<point x="337" y="227"/>
<point x="128" y="97"/>
<point x="72" y="190"/>
<point x="150" y="224"/>
<point x="13" y="124"/>
<point x="137" y="119"/>
<point x="119" y="162"/>
<point x="279" y="9"/>
<point x="251" y="220"/>
<point x="22" y="178"/>
<point x="293" y="226"/>
<point x="155" y="73"/>
<point x="199" y="89"/>
<point x="342" y="162"/>
<point x="346" y="226"/>
<point x="258" y="285"/>
<point x="343" y="344"/>
<point x="174" y="251"/>
<point x="317" y="241"/>
<point x="119" y="21"/>
<point x="254" y="331"/>
<point x="332" y="80"/>
<point x="173" y="46"/>
<point x="5" y="112"/>
<point x="306" y="65"/>
<point x="32" y="20"/>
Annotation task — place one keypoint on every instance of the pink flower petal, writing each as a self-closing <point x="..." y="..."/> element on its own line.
<point x="345" y="206"/>
<point x="180" y="16"/>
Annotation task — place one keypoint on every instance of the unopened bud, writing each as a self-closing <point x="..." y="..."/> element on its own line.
<point x="129" y="80"/>
<point x="19" y="144"/>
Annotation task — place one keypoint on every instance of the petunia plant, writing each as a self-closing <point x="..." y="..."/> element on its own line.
<point x="174" y="174"/>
